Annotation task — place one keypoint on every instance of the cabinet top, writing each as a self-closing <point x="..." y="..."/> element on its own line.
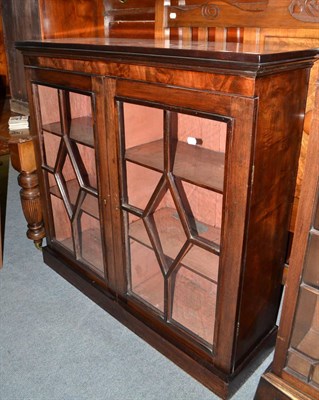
<point x="234" y="56"/>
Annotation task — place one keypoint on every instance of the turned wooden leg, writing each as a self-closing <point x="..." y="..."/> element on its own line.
<point x="23" y="160"/>
<point x="31" y="206"/>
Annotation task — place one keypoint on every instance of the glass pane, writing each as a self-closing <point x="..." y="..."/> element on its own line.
<point x="91" y="206"/>
<point x="141" y="183"/>
<point x="49" y="109"/>
<point x="311" y="268"/>
<point x="142" y="125"/>
<point x="90" y="242"/>
<point x="204" y="211"/>
<point x="53" y="184"/>
<point x="72" y="185"/>
<point x="209" y="134"/>
<point x="315" y="375"/>
<point x="51" y="144"/>
<point x="146" y="277"/>
<point x="200" y="151"/>
<point x="202" y="262"/>
<point x="300" y="364"/>
<point x="168" y="226"/>
<point x="194" y="303"/>
<point x="81" y="122"/>
<point x="306" y="325"/>
<point x="88" y="170"/>
<point x="72" y="191"/>
<point x="61" y="222"/>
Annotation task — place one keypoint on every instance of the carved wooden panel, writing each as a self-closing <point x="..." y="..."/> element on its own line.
<point x="305" y="10"/>
<point x="245" y="13"/>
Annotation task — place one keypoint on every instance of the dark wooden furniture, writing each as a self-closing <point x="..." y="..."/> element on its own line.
<point x="294" y="373"/>
<point x="167" y="172"/>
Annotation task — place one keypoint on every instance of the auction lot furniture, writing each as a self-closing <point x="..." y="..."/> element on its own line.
<point x="167" y="171"/>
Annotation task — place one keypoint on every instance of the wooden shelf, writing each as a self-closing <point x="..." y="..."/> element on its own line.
<point x="90" y="204"/>
<point x="194" y="164"/>
<point x="53" y="127"/>
<point x="81" y="130"/>
<point x="200" y="261"/>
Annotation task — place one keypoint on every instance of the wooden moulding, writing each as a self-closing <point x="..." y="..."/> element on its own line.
<point x="262" y="14"/>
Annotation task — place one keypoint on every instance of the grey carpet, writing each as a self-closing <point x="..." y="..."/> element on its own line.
<point x="56" y="344"/>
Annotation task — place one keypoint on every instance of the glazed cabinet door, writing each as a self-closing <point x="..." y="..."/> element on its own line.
<point x="175" y="156"/>
<point x="302" y="361"/>
<point x="67" y="125"/>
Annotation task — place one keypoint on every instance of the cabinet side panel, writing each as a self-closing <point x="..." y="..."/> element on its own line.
<point x="277" y="149"/>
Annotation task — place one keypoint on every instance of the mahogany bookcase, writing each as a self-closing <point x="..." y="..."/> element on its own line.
<point x="167" y="172"/>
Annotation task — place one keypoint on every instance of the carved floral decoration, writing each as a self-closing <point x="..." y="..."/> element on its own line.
<point x="305" y="10"/>
<point x="211" y="11"/>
